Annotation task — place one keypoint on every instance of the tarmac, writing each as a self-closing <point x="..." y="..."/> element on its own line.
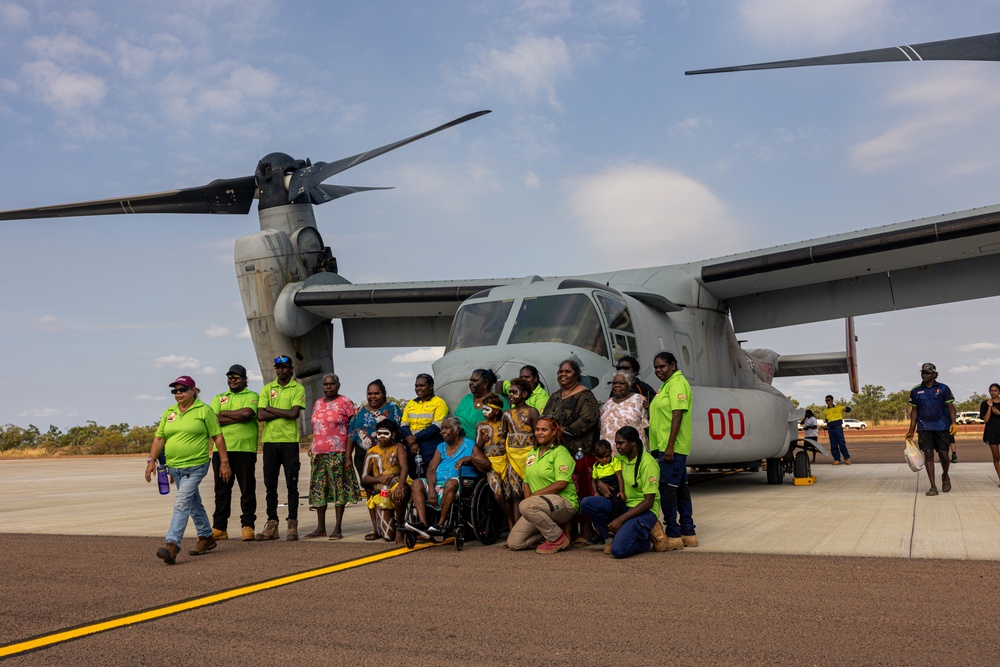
<point x="860" y="568"/>
<point x="860" y="510"/>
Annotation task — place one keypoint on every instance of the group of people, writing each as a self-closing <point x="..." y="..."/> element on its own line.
<point x="560" y="465"/>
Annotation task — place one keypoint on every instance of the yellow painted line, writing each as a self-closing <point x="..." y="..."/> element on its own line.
<point x="70" y="634"/>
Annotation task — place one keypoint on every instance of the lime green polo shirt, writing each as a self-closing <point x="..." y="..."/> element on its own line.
<point x="555" y="465"/>
<point x="273" y="395"/>
<point x="675" y="394"/>
<point x="188" y="434"/>
<point x="240" y="437"/>
<point x="607" y="469"/>
<point x="648" y="481"/>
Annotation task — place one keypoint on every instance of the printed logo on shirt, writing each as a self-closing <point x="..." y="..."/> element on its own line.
<point x="223" y="399"/>
<point x="530" y="460"/>
<point x="682" y="397"/>
<point x="563" y="468"/>
<point x="652" y="480"/>
<point x="172" y="416"/>
<point x="274" y="393"/>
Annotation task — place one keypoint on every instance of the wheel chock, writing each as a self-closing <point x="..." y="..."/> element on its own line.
<point x="805" y="481"/>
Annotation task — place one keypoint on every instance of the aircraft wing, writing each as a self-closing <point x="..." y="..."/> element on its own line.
<point x="906" y="265"/>
<point x="406" y="314"/>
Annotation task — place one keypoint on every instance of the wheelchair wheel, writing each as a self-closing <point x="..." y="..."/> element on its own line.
<point x="488" y="520"/>
<point x="411" y="538"/>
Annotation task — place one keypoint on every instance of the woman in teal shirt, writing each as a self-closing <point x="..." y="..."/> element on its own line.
<point x="550" y="498"/>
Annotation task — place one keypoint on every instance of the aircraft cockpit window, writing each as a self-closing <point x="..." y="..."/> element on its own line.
<point x="479" y="324"/>
<point x="620" y="323"/>
<point x="560" y="318"/>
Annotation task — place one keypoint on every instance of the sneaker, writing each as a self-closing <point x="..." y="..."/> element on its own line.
<point x="205" y="544"/>
<point x="247" y="533"/>
<point x="553" y="547"/>
<point x="607" y="547"/>
<point x="168" y="553"/>
<point x="594" y="540"/>
<point x="418" y="527"/>
<point x="219" y="535"/>
<point x="946" y="484"/>
<point x="436" y="529"/>
<point x="954" y="457"/>
<point x="689" y="540"/>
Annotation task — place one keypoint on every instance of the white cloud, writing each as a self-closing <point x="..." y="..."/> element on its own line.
<point x="43" y="412"/>
<point x="963" y="369"/>
<point x="14" y="15"/>
<point x="149" y="397"/>
<point x="529" y="69"/>
<point x="796" y="22"/>
<point x="626" y="13"/>
<point x="63" y="48"/>
<point x="929" y="116"/>
<point x="419" y="356"/>
<point x="532" y="181"/>
<point x="217" y="331"/>
<point x="973" y="347"/>
<point x="254" y="376"/>
<point x="546" y="11"/>
<point x="809" y="383"/>
<point x="245" y="333"/>
<point x="176" y="361"/>
<point x="61" y="89"/>
<point x="210" y="370"/>
<point x="688" y="126"/>
<point x="992" y="361"/>
<point x="675" y="217"/>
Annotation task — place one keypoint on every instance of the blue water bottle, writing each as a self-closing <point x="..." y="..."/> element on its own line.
<point x="579" y="453"/>
<point x="162" y="480"/>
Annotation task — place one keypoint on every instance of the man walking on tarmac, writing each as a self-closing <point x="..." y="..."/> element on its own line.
<point x="932" y="407"/>
<point x="236" y="410"/>
<point x="281" y="402"/>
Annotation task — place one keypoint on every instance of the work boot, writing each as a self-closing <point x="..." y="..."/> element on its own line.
<point x="219" y="535"/>
<point x="247" y="532"/>
<point x="168" y="553"/>
<point x="205" y="544"/>
<point x="270" y="531"/>
<point x="607" y="546"/>
<point x="689" y="540"/>
<point x="674" y="544"/>
<point x="659" y="537"/>
<point x="293" y="530"/>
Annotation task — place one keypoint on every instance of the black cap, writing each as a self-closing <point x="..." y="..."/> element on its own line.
<point x="236" y="369"/>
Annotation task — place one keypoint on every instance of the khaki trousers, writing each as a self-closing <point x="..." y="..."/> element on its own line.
<point x="540" y="518"/>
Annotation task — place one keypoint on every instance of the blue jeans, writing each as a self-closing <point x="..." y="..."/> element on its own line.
<point x="675" y="497"/>
<point x="632" y="538"/>
<point x="838" y="447"/>
<point x="188" y="503"/>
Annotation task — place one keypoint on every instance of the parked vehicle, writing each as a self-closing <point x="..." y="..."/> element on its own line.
<point x="855" y="423"/>
<point x="969" y="418"/>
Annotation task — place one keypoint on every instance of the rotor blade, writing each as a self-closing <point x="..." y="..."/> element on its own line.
<point x="231" y="195"/>
<point x="979" y="47"/>
<point x="308" y="178"/>
<point x="324" y="193"/>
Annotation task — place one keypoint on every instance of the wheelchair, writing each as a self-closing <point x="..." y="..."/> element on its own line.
<point x="475" y="514"/>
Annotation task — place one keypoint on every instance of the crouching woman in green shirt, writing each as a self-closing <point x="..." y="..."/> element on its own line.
<point x="549" y="493"/>
<point x="184" y="435"/>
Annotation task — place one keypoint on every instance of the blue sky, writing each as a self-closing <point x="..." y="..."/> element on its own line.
<point x="599" y="154"/>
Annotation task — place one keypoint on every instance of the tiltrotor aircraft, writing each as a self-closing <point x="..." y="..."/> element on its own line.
<point x="291" y="290"/>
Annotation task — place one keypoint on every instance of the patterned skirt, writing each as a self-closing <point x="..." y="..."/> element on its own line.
<point x="330" y="483"/>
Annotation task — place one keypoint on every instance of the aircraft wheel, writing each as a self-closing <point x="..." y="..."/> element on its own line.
<point x="803" y="468"/>
<point x="775" y="474"/>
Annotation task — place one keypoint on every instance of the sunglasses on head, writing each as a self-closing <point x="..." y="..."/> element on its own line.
<point x="283" y="360"/>
<point x="180" y="390"/>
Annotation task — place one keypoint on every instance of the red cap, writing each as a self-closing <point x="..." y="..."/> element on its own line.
<point x="184" y="380"/>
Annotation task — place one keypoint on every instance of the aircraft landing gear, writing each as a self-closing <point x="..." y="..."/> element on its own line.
<point x="796" y="463"/>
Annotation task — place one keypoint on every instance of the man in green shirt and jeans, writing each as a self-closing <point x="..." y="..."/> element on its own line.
<point x="236" y="410"/>
<point x="281" y="402"/>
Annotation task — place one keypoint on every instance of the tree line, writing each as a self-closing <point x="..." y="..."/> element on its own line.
<point x="872" y="404"/>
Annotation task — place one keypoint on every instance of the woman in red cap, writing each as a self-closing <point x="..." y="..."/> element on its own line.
<point x="185" y="434"/>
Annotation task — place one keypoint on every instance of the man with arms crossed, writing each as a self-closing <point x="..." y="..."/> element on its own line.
<point x="281" y="402"/>
<point x="237" y="413"/>
<point x="932" y="407"/>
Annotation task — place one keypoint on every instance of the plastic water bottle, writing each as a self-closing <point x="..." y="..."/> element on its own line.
<point x="162" y="480"/>
<point x="419" y="460"/>
<point x="579" y="453"/>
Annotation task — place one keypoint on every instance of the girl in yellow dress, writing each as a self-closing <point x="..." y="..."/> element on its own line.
<point x="517" y="432"/>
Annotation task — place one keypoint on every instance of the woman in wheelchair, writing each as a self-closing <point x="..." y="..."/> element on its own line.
<point x="386" y="469"/>
<point x="440" y="487"/>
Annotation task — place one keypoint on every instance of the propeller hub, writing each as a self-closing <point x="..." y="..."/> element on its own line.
<point x="271" y="172"/>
